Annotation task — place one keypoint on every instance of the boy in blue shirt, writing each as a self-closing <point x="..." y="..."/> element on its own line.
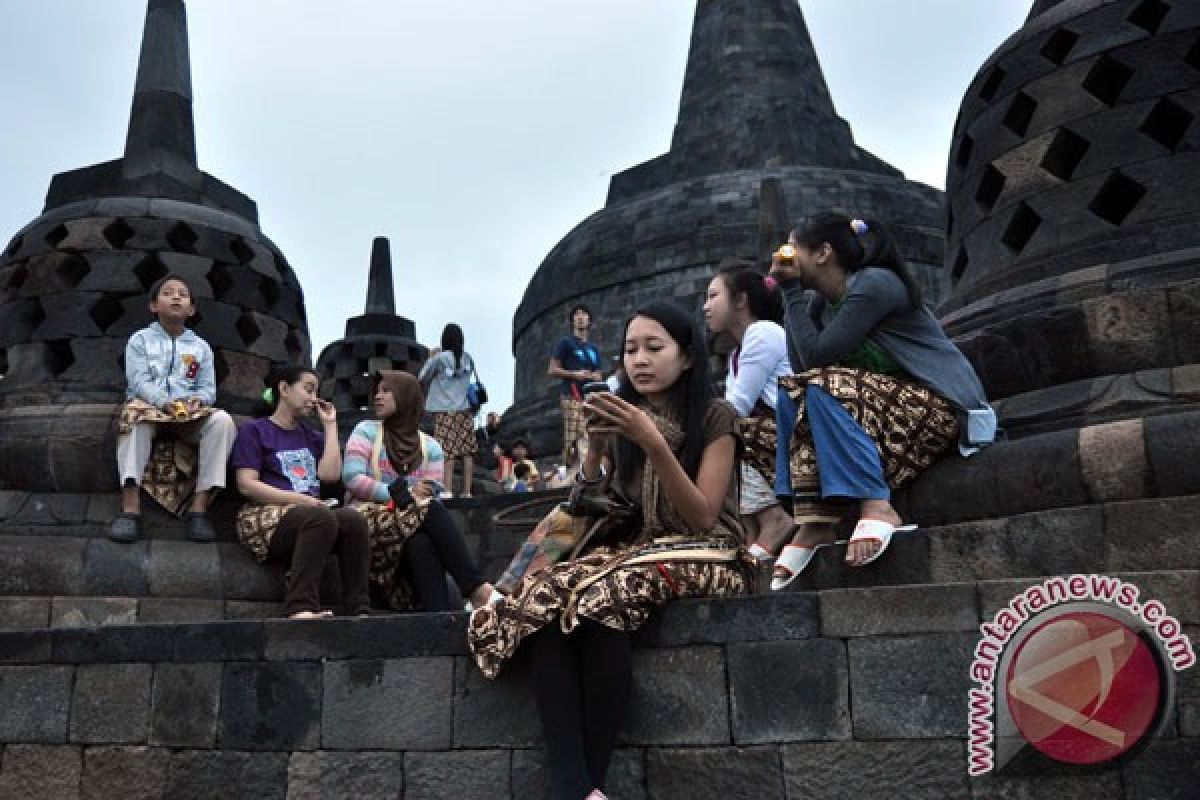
<point x="576" y="361"/>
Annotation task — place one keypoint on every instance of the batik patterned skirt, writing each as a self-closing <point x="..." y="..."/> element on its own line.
<point x="388" y="530"/>
<point x="910" y="424"/>
<point x="617" y="587"/>
<point x="455" y="432"/>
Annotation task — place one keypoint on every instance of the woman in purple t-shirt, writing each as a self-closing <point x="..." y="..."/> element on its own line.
<point x="280" y="463"/>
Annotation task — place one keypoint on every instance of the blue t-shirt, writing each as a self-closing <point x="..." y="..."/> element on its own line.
<point x="285" y="459"/>
<point x="575" y="354"/>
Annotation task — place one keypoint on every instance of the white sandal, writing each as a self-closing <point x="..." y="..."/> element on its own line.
<point x="791" y="562"/>
<point x="876" y="530"/>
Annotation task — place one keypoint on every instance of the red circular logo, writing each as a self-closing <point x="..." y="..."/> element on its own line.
<point x="1083" y="688"/>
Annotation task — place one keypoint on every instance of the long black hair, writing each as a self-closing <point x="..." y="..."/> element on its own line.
<point x="859" y="243"/>
<point x="279" y="373"/>
<point x="689" y="397"/>
<point x="452" y="341"/>
<point x="765" y="301"/>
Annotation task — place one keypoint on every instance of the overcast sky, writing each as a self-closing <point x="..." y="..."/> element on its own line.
<point x="474" y="134"/>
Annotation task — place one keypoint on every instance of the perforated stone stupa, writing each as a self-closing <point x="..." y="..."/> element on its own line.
<point x="74" y="282"/>
<point x="757" y="147"/>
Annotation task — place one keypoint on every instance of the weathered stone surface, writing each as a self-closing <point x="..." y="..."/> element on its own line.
<point x="24" y="612"/>
<point x="1171" y="439"/>
<point x="495" y="713"/>
<point x="185" y="705"/>
<point x="131" y="773"/>
<point x="789" y="691"/>
<point x="89" y="612"/>
<point x="932" y="770"/>
<point x="1076" y="786"/>
<point x="40" y="772"/>
<point x="120" y="643"/>
<point x="111" y="703"/>
<point x="205" y="774"/>
<point x="898" y="609"/>
<point x="1151" y="534"/>
<point x="1168" y="769"/>
<point x="243" y="578"/>
<point x="270" y="706"/>
<point x="678" y="698"/>
<point x="32" y="567"/>
<point x="1179" y="592"/>
<point x="219" y="641"/>
<point x="479" y="774"/>
<point x="370" y="637"/>
<point x="363" y="702"/>
<point x="1113" y="461"/>
<point x="735" y="619"/>
<point x="34" y="703"/>
<point x="110" y="568"/>
<point x="25" y="647"/>
<point x="913" y="687"/>
<point x="179" y="609"/>
<point x="626" y="777"/>
<point x="1043" y="543"/>
<point x="184" y="569"/>
<point x="714" y="772"/>
<point x="363" y="776"/>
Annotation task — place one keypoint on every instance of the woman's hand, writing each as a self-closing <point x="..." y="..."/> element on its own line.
<point x="614" y="415"/>
<point x="422" y="490"/>
<point x="326" y="412"/>
<point x="308" y="500"/>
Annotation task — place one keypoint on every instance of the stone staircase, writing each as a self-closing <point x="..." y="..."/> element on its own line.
<point x="854" y="684"/>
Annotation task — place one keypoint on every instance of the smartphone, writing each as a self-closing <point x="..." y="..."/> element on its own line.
<point x="596" y="387"/>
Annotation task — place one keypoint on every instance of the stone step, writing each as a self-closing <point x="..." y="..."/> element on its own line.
<point x="1137" y="535"/>
<point x="788" y="695"/>
<point x="32" y="612"/>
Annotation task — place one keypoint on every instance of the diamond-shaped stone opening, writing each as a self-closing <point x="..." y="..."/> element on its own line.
<point x="1059" y="45"/>
<point x="219" y="280"/>
<point x="1065" y="152"/>
<point x="1020" y="114"/>
<point x="1107" y="79"/>
<point x="960" y="264"/>
<point x="1149" y="15"/>
<point x="1167" y="123"/>
<point x="59" y="357"/>
<point x="220" y="366"/>
<point x="36" y="317"/>
<point x="963" y="156"/>
<point x="1021" y="227"/>
<point x="381" y="349"/>
<point x="294" y="345"/>
<point x="1118" y="196"/>
<point x="990" y="187"/>
<point x="149" y="270"/>
<point x="362" y="366"/>
<point x="106" y="311"/>
<point x="1192" y="57"/>
<point x="991" y="84"/>
<point x="56" y="235"/>
<point x="182" y="238"/>
<point x="3" y="363"/>
<point x="414" y="354"/>
<point x="117" y="233"/>
<point x="14" y="246"/>
<point x="269" y="289"/>
<point x="16" y="278"/>
<point x="71" y="270"/>
<point x="248" y="329"/>
<point x="241" y="251"/>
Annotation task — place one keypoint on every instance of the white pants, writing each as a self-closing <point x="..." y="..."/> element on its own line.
<point x="757" y="494"/>
<point x="214" y="435"/>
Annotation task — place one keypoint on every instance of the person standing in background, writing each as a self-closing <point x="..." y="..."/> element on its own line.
<point x="575" y="362"/>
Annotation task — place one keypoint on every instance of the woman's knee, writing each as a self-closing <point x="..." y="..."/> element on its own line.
<point x="350" y="523"/>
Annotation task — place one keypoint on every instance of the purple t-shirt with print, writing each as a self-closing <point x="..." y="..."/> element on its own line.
<point x="285" y="459"/>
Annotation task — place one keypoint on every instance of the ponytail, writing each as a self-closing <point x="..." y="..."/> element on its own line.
<point x="859" y="243"/>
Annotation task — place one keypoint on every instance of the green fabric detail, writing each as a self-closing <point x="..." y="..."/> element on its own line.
<point x="868" y="355"/>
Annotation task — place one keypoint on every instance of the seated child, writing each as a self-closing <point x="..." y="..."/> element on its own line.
<point x="172" y="383"/>
<point x="523" y="475"/>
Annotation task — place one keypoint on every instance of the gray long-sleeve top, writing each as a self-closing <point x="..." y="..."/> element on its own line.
<point x="876" y="308"/>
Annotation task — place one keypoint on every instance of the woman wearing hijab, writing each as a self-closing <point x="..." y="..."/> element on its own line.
<point x="393" y="475"/>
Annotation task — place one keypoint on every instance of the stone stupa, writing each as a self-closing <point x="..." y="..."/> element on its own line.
<point x="757" y="147"/>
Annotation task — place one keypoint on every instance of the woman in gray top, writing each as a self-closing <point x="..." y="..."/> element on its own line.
<point x="880" y="391"/>
<point x="448" y="375"/>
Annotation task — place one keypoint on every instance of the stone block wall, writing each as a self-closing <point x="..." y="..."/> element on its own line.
<point x="788" y="696"/>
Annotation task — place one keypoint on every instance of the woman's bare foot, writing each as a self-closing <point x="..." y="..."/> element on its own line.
<point x="310" y="615"/>
<point x="858" y="552"/>
<point x="774" y="527"/>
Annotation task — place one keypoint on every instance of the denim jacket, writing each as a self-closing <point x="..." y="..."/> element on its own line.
<point x="159" y="368"/>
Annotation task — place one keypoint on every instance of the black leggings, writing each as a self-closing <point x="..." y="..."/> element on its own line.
<point x="437" y="547"/>
<point x="581" y="682"/>
<point x="306" y="536"/>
